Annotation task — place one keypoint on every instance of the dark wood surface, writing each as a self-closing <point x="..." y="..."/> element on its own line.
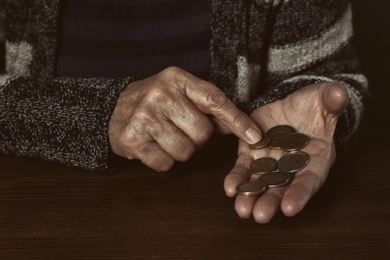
<point x="50" y="211"/>
<point x="55" y="212"/>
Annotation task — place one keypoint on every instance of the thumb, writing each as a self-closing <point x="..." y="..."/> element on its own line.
<point x="334" y="99"/>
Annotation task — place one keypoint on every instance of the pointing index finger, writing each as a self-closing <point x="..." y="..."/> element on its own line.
<point x="211" y="100"/>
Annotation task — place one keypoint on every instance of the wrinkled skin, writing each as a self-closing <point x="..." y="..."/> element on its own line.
<point x="168" y="116"/>
<point x="312" y="110"/>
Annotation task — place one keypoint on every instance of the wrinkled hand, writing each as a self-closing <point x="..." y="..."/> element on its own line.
<point x="168" y="116"/>
<point x="312" y="110"/>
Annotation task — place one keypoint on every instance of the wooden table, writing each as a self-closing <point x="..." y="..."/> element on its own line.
<point x="50" y="211"/>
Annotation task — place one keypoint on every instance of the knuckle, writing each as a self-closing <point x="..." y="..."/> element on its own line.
<point x="158" y="95"/>
<point x="237" y="120"/>
<point x="141" y="119"/>
<point x="132" y="142"/>
<point x="217" y="100"/>
<point x="135" y="136"/>
<point x="203" y="134"/>
<point x="128" y="137"/>
<point x="171" y="72"/>
<point x="128" y="143"/>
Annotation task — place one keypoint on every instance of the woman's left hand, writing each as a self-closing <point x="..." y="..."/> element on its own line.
<point x="312" y="110"/>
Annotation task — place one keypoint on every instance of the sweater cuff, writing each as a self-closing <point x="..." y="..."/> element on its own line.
<point x="63" y="120"/>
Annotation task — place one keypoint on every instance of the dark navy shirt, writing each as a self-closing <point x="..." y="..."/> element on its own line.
<point x="119" y="38"/>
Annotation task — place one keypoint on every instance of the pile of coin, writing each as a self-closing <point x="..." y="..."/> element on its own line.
<point x="277" y="173"/>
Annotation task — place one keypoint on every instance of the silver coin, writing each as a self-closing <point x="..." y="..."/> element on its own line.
<point x="293" y="161"/>
<point x="275" y="179"/>
<point x="251" y="188"/>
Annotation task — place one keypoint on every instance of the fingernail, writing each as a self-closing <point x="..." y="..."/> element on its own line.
<point x="253" y="135"/>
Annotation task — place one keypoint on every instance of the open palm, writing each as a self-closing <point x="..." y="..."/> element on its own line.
<point x="312" y="110"/>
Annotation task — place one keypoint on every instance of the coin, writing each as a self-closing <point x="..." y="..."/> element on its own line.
<point x="278" y="133"/>
<point x="264" y="142"/>
<point x="275" y="179"/>
<point x="285" y="129"/>
<point x="293" y="161"/>
<point x="277" y="140"/>
<point x="252" y="188"/>
<point x="294" y="141"/>
<point x="264" y="164"/>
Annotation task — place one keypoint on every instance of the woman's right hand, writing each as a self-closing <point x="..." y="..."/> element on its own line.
<point x="168" y="116"/>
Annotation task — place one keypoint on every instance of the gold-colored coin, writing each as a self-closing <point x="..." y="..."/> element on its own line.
<point x="294" y="141"/>
<point x="293" y="161"/>
<point x="275" y="179"/>
<point x="264" y="164"/>
<point x="264" y="142"/>
<point x="277" y="140"/>
<point x="285" y="129"/>
<point x="252" y="188"/>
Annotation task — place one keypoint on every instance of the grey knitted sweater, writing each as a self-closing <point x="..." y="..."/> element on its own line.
<point x="262" y="50"/>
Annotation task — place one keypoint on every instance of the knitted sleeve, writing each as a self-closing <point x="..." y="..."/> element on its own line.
<point x="62" y="120"/>
<point x="310" y="42"/>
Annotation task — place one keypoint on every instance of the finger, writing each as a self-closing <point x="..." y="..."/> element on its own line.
<point x="244" y="205"/>
<point x="268" y="205"/>
<point x="173" y="141"/>
<point x="149" y="153"/>
<point x="216" y="103"/>
<point x="156" y="158"/>
<point x="240" y="172"/>
<point x="300" y="191"/>
<point x="211" y="100"/>
<point x="334" y="98"/>
<point x="238" y="175"/>
<point x="190" y="120"/>
<point x="263" y="207"/>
